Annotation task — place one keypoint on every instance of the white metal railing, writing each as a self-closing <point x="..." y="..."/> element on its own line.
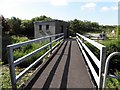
<point x="99" y="62"/>
<point x="13" y="63"/>
<point x="106" y="68"/>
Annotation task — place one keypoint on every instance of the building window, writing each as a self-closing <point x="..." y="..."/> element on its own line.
<point x="40" y="27"/>
<point x="47" y="27"/>
<point x="61" y="28"/>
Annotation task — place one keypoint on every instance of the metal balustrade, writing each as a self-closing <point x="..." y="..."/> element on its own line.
<point x="99" y="62"/>
<point x="13" y="63"/>
<point x="106" y="68"/>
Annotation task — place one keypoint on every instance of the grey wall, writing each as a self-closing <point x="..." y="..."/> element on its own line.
<point x="54" y="28"/>
<point x="65" y="31"/>
<point x="41" y="33"/>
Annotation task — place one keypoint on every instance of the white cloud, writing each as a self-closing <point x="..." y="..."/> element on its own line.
<point x="114" y="8"/>
<point x="103" y="9"/>
<point x="88" y="6"/>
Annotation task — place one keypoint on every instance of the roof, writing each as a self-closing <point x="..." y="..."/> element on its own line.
<point x="53" y="20"/>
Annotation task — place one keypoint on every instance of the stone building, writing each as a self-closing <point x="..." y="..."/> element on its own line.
<point x="45" y="28"/>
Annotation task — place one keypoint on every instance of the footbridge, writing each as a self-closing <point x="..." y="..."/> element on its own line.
<point x="69" y="64"/>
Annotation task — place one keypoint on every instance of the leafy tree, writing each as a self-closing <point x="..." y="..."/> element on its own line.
<point x="5" y="26"/>
<point x="74" y="27"/>
<point x="41" y="18"/>
<point x="14" y="24"/>
<point x="95" y="26"/>
<point x="27" y="28"/>
<point x="78" y="26"/>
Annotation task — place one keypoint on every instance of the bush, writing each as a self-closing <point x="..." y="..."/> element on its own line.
<point x="113" y="46"/>
<point x="19" y="52"/>
<point x="27" y="49"/>
<point x="113" y="82"/>
<point x="7" y="40"/>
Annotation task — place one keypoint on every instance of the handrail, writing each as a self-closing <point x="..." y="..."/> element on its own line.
<point x="106" y="68"/>
<point x="13" y="63"/>
<point x="31" y="41"/>
<point x="99" y="62"/>
<point x="96" y="44"/>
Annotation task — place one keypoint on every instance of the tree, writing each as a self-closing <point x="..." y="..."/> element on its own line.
<point x="74" y="27"/>
<point x="5" y="25"/>
<point x="41" y="18"/>
<point x="27" y="28"/>
<point x="95" y="26"/>
<point x="14" y="24"/>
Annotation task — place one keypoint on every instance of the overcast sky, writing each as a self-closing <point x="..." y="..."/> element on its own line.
<point x="101" y="11"/>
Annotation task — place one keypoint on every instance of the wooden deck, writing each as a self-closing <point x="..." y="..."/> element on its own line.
<point x="66" y="69"/>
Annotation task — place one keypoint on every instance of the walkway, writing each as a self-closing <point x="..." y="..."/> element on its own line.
<point x="65" y="70"/>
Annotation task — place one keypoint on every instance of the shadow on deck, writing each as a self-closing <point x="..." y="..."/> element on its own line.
<point x="65" y="69"/>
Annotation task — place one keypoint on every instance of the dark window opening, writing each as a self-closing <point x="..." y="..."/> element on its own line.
<point x="61" y="29"/>
<point x="40" y="27"/>
<point x="47" y="27"/>
<point x="67" y="31"/>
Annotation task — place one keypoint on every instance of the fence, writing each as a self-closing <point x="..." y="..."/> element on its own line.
<point x="100" y="63"/>
<point x="13" y="63"/>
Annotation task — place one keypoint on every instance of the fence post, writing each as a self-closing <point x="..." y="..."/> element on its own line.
<point x="12" y="68"/>
<point x="102" y="66"/>
<point x="82" y="40"/>
<point x="51" y="44"/>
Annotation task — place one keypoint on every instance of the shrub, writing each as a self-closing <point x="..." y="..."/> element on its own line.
<point x="7" y="40"/>
<point x="113" y="46"/>
<point x="27" y="49"/>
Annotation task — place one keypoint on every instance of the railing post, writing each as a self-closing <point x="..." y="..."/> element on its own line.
<point x="12" y="68"/>
<point x="102" y="66"/>
<point x="51" y="44"/>
<point x="82" y="40"/>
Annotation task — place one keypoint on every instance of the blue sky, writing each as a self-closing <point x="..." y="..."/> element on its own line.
<point x="102" y="11"/>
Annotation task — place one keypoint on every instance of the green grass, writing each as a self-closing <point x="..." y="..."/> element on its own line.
<point x="5" y="77"/>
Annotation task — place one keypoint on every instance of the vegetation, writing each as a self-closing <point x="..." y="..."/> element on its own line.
<point x="16" y="26"/>
<point x="78" y="26"/>
<point x="112" y="45"/>
<point x="5" y="77"/>
<point x="19" y="52"/>
<point x="113" y="82"/>
<point x="118" y="32"/>
<point x="114" y="66"/>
